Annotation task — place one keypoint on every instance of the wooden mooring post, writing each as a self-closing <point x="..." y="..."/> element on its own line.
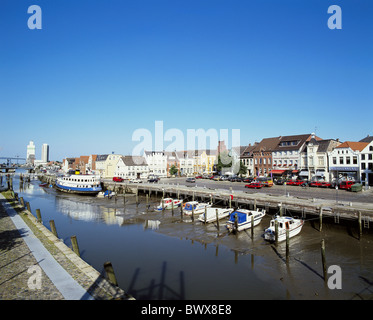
<point x="320" y="219"/>
<point x="38" y="215"/>
<point x="217" y="220"/>
<point x="28" y="206"/>
<point x="110" y="273"/>
<point x="287" y="246"/>
<point x="53" y="227"/>
<point x="74" y="243"/>
<point x="276" y="232"/>
<point x="323" y="259"/>
<point x="360" y="225"/>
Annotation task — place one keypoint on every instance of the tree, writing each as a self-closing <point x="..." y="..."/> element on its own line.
<point x="224" y="161"/>
<point x="243" y="169"/>
<point x="173" y="170"/>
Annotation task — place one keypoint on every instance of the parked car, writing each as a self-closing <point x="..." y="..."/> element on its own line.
<point x="118" y="179"/>
<point x="136" y="180"/>
<point x="234" y="179"/>
<point x="216" y="178"/>
<point x="299" y="182"/>
<point x="190" y="180"/>
<point x="198" y="177"/>
<point x="153" y="179"/>
<point x="346" y="185"/>
<point x="279" y="181"/>
<point x="248" y="179"/>
<point x="255" y="185"/>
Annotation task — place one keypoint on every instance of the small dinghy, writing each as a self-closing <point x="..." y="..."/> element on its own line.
<point x="167" y="202"/>
<point x="196" y="207"/>
<point x="211" y="214"/>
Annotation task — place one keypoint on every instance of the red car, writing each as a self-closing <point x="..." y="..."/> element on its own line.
<point x="118" y="179"/>
<point x="325" y="184"/>
<point x="255" y="185"/>
<point x="346" y="185"/>
<point x="290" y="183"/>
<point x="198" y="177"/>
<point x="315" y="184"/>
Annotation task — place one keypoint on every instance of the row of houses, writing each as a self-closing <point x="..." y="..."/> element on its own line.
<point x="305" y="156"/>
<point x="310" y="157"/>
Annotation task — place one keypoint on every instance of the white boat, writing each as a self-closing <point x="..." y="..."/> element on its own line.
<point x="79" y="184"/>
<point x="168" y="204"/>
<point x="244" y="219"/>
<point x="196" y="207"/>
<point x="284" y="223"/>
<point x="211" y="214"/>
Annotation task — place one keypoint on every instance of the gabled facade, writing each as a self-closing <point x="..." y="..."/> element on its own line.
<point x="132" y="167"/>
<point x="314" y="159"/>
<point x="262" y="156"/>
<point x="157" y="162"/>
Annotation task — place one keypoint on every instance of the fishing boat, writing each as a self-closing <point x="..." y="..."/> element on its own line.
<point x="167" y="202"/>
<point x="244" y="219"/>
<point x="284" y="223"/>
<point x="211" y="214"/>
<point x="196" y="207"/>
<point x="79" y="184"/>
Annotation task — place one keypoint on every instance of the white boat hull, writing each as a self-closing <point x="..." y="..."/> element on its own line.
<point x="211" y="214"/>
<point x="258" y="216"/>
<point x="270" y="234"/>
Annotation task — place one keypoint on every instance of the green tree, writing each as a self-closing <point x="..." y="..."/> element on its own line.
<point x="243" y="169"/>
<point x="173" y="170"/>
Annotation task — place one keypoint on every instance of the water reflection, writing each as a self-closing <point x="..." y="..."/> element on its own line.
<point x="151" y="224"/>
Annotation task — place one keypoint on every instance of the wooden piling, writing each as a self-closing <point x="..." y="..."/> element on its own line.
<point x="276" y="232"/>
<point x="181" y="213"/>
<point x="281" y="210"/>
<point x="147" y="202"/>
<point x="22" y="202"/>
<point x="360" y="225"/>
<point x="110" y="273"/>
<point x="252" y="227"/>
<point x="74" y="243"/>
<point x="205" y="215"/>
<point x="254" y="204"/>
<point x="53" y="227"/>
<point x="287" y="246"/>
<point x="236" y="222"/>
<point x="28" y="206"/>
<point x="217" y="220"/>
<point x="192" y="212"/>
<point x="38" y="215"/>
<point x="323" y="259"/>
<point x="320" y="219"/>
<point x="162" y="204"/>
<point x="172" y="207"/>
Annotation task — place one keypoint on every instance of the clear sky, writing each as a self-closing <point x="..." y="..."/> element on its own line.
<point x="98" y="70"/>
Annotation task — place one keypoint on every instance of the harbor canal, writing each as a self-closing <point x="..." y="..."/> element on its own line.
<point x="159" y="256"/>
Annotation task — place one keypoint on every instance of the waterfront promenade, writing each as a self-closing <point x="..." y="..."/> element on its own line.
<point x="36" y="265"/>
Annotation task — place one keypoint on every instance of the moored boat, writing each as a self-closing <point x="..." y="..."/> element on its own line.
<point x="79" y="184"/>
<point x="196" y="207"/>
<point x="284" y="223"/>
<point x="211" y="214"/>
<point x="244" y="219"/>
<point x="167" y="203"/>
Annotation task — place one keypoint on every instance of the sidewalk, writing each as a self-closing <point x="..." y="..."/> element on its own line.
<point x="26" y="245"/>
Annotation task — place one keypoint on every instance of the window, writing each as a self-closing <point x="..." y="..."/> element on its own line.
<point x="370" y="166"/>
<point x="371" y="148"/>
<point x="348" y="160"/>
<point x="363" y="157"/>
<point x="340" y="160"/>
<point x="354" y="160"/>
<point x="334" y="160"/>
<point x="370" y="156"/>
<point x="363" y="167"/>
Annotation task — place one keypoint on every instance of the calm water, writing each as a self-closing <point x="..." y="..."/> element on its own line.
<point x="157" y="256"/>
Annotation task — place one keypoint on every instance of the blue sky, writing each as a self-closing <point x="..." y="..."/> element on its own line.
<point x="99" y="70"/>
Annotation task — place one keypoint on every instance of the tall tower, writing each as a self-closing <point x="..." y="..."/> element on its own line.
<point x="45" y="153"/>
<point x="30" y="152"/>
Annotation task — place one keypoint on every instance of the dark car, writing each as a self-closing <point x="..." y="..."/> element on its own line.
<point x="279" y="181"/>
<point x="153" y="179"/>
<point x="190" y="180"/>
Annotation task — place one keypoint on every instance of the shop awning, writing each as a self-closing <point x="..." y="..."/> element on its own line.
<point x="303" y="173"/>
<point x="277" y="171"/>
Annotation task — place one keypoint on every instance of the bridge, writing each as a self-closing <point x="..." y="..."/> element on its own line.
<point x="9" y="159"/>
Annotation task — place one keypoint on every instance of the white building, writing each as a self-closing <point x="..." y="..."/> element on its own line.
<point x="132" y="167"/>
<point x="345" y="160"/>
<point x="314" y="159"/>
<point x="30" y="157"/>
<point x="366" y="164"/>
<point x="157" y="162"/>
<point x="45" y="153"/>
